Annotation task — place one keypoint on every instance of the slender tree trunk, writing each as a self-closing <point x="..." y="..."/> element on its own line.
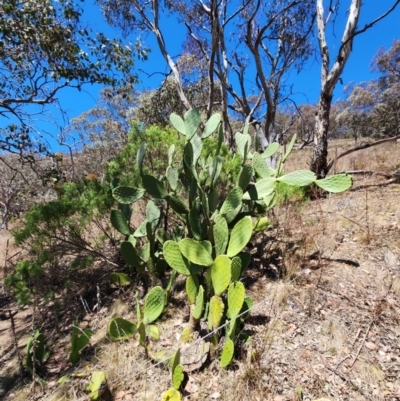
<point x="319" y="158"/>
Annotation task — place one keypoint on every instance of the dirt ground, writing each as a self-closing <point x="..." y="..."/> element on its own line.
<point x="325" y="323"/>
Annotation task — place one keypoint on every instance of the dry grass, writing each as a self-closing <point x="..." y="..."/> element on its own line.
<point x="326" y="321"/>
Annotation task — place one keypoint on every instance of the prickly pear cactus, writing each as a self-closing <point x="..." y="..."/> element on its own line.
<point x="227" y="353"/>
<point x="221" y="273"/>
<point x="154" y="305"/>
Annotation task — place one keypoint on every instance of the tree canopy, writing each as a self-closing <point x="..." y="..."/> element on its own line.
<point x="45" y="47"/>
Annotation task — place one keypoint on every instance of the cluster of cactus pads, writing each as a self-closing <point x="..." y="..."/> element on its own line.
<point x="199" y="226"/>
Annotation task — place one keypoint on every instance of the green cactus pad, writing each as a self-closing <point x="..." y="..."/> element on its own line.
<point x="227" y="353"/>
<point x="177" y="376"/>
<point x="247" y="305"/>
<point x="233" y="201"/>
<point x="221" y="273"/>
<point x="260" y="189"/>
<point x="130" y="254"/>
<point x="289" y="148"/>
<point x="260" y="166"/>
<point x="175" y="360"/>
<point x="221" y="234"/>
<point x="153" y="305"/>
<point x="142" y="334"/>
<point x="178" y="123"/>
<point x="261" y="224"/>
<point x="192" y="286"/>
<point x="207" y="246"/>
<point x="236" y="268"/>
<point x="171" y="151"/>
<point x="172" y="177"/>
<point x="175" y="259"/>
<point x="127" y="195"/>
<point x="154" y="187"/>
<point x="153" y="213"/>
<point x="141" y="231"/>
<point x="192" y="122"/>
<point x="195" y="223"/>
<point x="79" y="340"/>
<point x="140" y="156"/>
<point x="204" y="202"/>
<point x="216" y="312"/>
<point x="213" y="200"/>
<point x="178" y="204"/>
<point x="245" y="257"/>
<point x="126" y="211"/>
<point x="211" y="125"/>
<point x="271" y="150"/>
<point x="215" y="170"/>
<point x="240" y="236"/>
<point x="153" y="332"/>
<point x="236" y="294"/>
<point x="121" y="329"/>
<point x="336" y="183"/>
<point x="246" y="175"/>
<point x="243" y="143"/>
<point x="300" y="178"/>
<point x="118" y="221"/>
<point x="199" y="305"/>
<point x="120" y="279"/>
<point x="172" y="395"/>
<point x="197" y="146"/>
<point x="195" y="252"/>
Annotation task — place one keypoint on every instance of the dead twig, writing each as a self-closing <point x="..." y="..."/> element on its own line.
<point x="362" y="344"/>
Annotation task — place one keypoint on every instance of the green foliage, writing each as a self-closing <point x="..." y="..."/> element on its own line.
<point x="216" y="220"/>
<point x="55" y="235"/>
<point x="36" y="351"/>
<point x="97" y="385"/>
<point x="79" y="340"/>
<point x="121" y="329"/>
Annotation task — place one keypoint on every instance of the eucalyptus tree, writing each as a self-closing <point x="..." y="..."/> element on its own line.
<point x="248" y="47"/>
<point x="331" y="72"/>
<point x="46" y="47"/>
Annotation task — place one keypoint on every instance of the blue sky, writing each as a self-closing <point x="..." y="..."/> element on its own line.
<point x="306" y="84"/>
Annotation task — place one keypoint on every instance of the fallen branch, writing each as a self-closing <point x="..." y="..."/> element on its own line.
<point x="361" y="147"/>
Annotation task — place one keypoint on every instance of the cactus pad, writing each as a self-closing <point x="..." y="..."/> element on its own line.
<point x="240" y="236"/>
<point x="336" y="183"/>
<point x="211" y="125"/>
<point x="120" y="279"/>
<point x="199" y="305"/>
<point x="177" y="376"/>
<point x="221" y="273"/>
<point x="246" y="174"/>
<point x="153" y="213"/>
<point x="243" y="143"/>
<point x="192" y="122"/>
<point x="192" y="286"/>
<point x="261" y="224"/>
<point x="118" y="221"/>
<point x="154" y="305"/>
<point x="127" y="195"/>
<point x="154" y="187"/>
<point x="175" y="259"/>
<point x="178" y="123"/>
<point x="227" y="353"/>
<point x="195" y="223"/>
<point x="121" y="329"/>
<point x="172" y="395"/>
<point x="260" y="166"/>
<point x="271" y="150"/>
<point x="140" y="156"/>
<point x="177" y="203"/>
<point x="172" y="177"/>
<point x="216" y="312"/>
<point x="245" y="257"/>
<point x="300" y="178"/>
<point x="232" y="202"/>
<point x="236" y="294"/>
<point x="130" y="255"/>
<point x="221" y="234"/>
<point x="236" y="268"/>
<point x="261" y="189"/>
<point x="195" y="252"/>
<point x="215" y="170"/>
